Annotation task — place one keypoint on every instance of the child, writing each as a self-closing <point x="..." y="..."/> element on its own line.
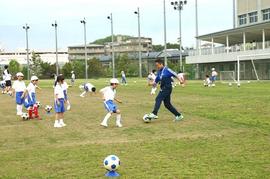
<point x="65" y="88"/>
<point x="87" y="87"/>
<point x="151" y="79"/>
<point x="207" y="81"/>
<point x="72" y="78"/>
<point x="59" y="102"/>
<point x="214" y="75"/>
<point x="20" y="92"/>
<point x="30" y="101"/>
<point x="109" y="93"/>
<point x="7" y="78"/>
<point x="124" y="79"/>
<point x="181" y="76"/>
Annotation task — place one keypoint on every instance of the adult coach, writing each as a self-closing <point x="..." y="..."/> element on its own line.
<point x="164" y="77"/>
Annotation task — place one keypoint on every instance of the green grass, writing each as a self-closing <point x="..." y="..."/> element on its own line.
<point x="225" y="134"/>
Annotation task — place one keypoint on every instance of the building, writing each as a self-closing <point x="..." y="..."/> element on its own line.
<point x="130" y="46"/>
<point x="249" y="42"/>
<point x="45" y="55"/>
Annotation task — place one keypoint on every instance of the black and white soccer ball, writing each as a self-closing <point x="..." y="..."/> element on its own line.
<point x="146" y="118"/>
<point x="111" y="163"/>
<point x="25" y="116"/>
<point x="48" y="108"/>
<point x="38" y="103"/>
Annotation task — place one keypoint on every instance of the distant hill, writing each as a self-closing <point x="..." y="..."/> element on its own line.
<point x="109" y="39"/>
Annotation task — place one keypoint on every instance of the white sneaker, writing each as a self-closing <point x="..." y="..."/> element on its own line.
<point x="118" y="124"/>
<point x="152" y="116"/>
<point x="57" y="125"/>
<point x="82" y="96"/>
<point x="62" y="124"/>
<point x="104" y="124"/>
<point x="68" y="107"/>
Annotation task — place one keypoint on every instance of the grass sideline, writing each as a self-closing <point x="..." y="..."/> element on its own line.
<point x="225" y="134"/>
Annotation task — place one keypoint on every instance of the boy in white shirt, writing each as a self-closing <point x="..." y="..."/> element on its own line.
<point x="151" y="79"/>
<point x="65" y="88"/>
<point x="109" y="93"/>
<point x="19" y="89"/>
<point x="30" y="101"/>
<point x="207" y="81"/>
<point x="59" y="102"/>
<point x="87" y="87"/>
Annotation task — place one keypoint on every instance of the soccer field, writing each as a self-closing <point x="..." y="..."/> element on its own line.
<point x="225" y="134"/>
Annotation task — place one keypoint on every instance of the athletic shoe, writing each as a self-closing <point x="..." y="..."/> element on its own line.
<point x="62" y="124"/>
<point x="57" y="125"/>
<point x="118" y="124"/>
<point x="82" y="96"/>
<point x="179" y="118"/>
<point x="152" y="116"/>
<point x="104" y="124"/>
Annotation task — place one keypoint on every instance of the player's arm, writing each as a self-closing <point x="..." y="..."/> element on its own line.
<point x="102" y="93"/>
<point x="118" y="100"/>
<point x="25" y="92"/>
<point x="38" y="87"/>
<point x="173" y="74"/>
<point x="56" y="99"/>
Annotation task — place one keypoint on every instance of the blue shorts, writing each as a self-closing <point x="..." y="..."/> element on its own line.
<point x="213" y="78"/>
<point x="19" y="100"/>
<point x="110" y="106"/>
<point x="61" y="107"/>
<point x="30" y="102"/>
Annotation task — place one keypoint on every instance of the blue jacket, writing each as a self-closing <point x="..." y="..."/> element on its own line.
<point x="164" y="76"/>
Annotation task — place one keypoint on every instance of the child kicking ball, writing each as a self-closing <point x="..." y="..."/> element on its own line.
<point x="109" y="93"/>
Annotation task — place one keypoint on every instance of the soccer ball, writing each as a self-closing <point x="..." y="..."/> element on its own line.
<point x="230" y="84"/>
<point x="38" y="104"/>
<point x="146" y="118"/>
<point x="111" y="163"/>
<point x="25" y="116"/>
<point x="48" y="108"/>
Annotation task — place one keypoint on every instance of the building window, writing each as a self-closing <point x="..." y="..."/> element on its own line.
<point x="253" y="17"/>
<point x="266" y="14"/>
<point x="242" y="19"/>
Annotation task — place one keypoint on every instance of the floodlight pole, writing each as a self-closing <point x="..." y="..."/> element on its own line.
<point x="178" y="5"/>
<point x="56" y="48"/>
<point x="112" y="44"/>
<point x="85" y="49"/>
<point x="26" y="27"/>
<point x="140" y="43"/>
<point x="165" y="34"/>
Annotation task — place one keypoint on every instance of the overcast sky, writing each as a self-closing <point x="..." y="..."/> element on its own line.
<point x="214" y="15"/>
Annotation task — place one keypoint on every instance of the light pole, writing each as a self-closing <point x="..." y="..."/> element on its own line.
<point x="197" y="40"/>
<point x="85" y="48"/>
<point x="165" y="33"/>
<point x="178" y="5"/>
<point x="112" y="44"/>
<point x="140" y="44"/>
<point x="26" y="27"/>
<point x="56" y="48"/>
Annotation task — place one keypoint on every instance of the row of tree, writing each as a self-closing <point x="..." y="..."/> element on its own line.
<point x="96" y="69"/>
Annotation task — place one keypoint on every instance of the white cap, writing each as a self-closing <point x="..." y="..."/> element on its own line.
<point x="213" y="69"/>
<point x="33" y="78"/>
<point x="114" y="80"/>
<point x="19" y="74"/>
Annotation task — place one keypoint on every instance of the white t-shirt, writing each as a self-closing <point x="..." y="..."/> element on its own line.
<point x="123" y="74"/>
<point x="108" y="93"/>
<point x="59" y="91"/>
<point x="89" y="86"/>
<point x="73" y="76"/>
<point x="214" y="73"/>
<point x="207" y="81"/>
<point x="31" y="88"/>
<point x="153" y="76"/>
<point x="65" y="86"/>
<point x="19" y="86"/>
<point x="6" y="76"/>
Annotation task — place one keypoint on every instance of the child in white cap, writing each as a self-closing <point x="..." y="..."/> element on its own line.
<point x="19" y="89"/>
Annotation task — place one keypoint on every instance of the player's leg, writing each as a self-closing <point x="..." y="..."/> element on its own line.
<point x="109" y="107"/>
<point x="171" y="108"/>
<point x="158" y="101"/>
<point x="118" y="118"/>
<point x="83" y="94"/>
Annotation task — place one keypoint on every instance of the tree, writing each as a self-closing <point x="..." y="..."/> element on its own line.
<point x="95" y="68"/>
<point x="14" y="67"/>
<point x="122" y="63"/>
<point x="67" y="68"/>
<point x="47" y="70"/>
<point x="35" y="65"/>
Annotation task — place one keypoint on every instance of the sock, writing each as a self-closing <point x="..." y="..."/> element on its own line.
<point x="106" y="118"/>
<point x="18" y="109"/>
<point x="35" y="109"/>
<point x="118" y="118"/>
<point x="30" y="113"/>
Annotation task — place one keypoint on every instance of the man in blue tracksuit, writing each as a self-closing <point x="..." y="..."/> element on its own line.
<point x="164" y="77"/>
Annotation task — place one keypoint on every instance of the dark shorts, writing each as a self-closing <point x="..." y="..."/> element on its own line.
<point x="8" y="83"/>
